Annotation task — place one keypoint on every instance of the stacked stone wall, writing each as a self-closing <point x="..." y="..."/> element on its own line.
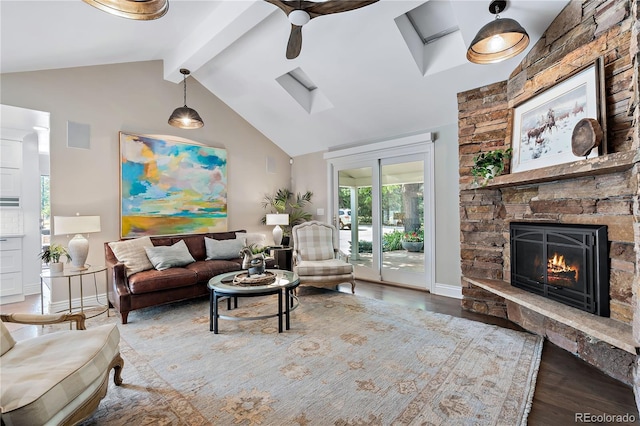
<point x="582" y="32"/>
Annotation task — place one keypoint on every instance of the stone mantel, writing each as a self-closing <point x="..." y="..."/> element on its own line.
<point x="608" y="330"/>
<point x="609" y="163"/>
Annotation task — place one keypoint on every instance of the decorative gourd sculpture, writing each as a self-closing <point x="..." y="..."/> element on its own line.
<point x="253" y="263"/>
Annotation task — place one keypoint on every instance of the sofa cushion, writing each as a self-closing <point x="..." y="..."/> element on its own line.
<point x="195" y="244"/>
<point x="133" y="254"/>
<point x="165" y="257"/>
<point x="324" y="267"/>
<point x="223" y="249"/>
<point x="316" y="243"/>
<point x="6" y="342"/>
<point x="61" y="366"/>
<point x="152" y="280"/>
<point x="210" y="268"/>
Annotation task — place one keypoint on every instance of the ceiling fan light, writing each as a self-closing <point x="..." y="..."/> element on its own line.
<point x="299" y="17"/>
<point x="141" y="10"/>
<point x="186" y="118"/>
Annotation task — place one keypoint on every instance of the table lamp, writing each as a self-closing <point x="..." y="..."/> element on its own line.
<point x="277" y="220"/>
<point x="78" y="246"/>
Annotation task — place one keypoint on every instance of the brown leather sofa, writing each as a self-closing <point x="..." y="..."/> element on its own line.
<point x="152" y="287"/>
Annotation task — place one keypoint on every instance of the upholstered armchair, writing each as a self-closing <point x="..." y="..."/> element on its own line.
<point x="317" y="258"/>
<point x="58" y="378"/>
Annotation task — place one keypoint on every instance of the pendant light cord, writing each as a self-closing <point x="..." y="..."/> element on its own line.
<point x="184" y="83"/>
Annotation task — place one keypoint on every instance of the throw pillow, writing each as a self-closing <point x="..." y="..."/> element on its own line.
<point x="132" y="254"/>
<point x="7" y="341"/>
<point x="223" y="249"/>
<point x="165" y="257"/>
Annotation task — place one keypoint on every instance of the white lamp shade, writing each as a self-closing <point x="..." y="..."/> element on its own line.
<point x="68" y="225"/>
<point x="277" y="219"/>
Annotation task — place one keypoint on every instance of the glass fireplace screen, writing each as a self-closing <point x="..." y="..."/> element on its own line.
<point x="566" y="263"/>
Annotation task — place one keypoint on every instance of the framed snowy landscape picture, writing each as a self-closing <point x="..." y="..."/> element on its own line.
<point x="543" y="125"/>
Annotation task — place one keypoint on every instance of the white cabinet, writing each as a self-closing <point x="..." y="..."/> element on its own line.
<point x="10" y="185"/>
<point x="10" y="154"/>
<point x="11" y="214"/>
<point x="10" y="266"/>
<point x="10" y="173"/>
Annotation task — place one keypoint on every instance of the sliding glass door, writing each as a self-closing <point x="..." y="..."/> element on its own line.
<point x="382" y="204"/>
<point x="354" y="214"/>
<point x="402" y="221"/>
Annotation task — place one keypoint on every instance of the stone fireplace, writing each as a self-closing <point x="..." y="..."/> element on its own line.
<point x="567" y="263"/>
<point x="595" y="192"/>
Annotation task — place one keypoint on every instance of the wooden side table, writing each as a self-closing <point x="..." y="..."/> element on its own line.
<point x="282" y="256"/>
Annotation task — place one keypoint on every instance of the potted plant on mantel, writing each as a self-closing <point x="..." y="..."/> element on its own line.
<point x="488" y="165"/>
<point x="51" y="256"/>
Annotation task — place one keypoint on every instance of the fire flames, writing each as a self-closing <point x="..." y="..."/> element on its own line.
<point x="557" y="267"/>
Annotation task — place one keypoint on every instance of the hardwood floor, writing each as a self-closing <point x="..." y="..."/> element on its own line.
<point x="566" y="385"/>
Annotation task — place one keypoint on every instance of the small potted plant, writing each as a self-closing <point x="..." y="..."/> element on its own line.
<point x="490" y="164"/>
<point x="51" y="256"/>
<point x="413" y="241"/>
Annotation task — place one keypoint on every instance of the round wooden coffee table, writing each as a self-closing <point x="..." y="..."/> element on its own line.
<point x="222" y="286"/>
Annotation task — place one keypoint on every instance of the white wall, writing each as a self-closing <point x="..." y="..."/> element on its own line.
<point x="309" y="172"/>
<point x="133" y="97"/>
<point x="448" y="271"/>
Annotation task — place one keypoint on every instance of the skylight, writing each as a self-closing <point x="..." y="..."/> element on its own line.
<point x="304" y="91"/>
<point x="433" y="20"/>
<point x="432" y="36"/>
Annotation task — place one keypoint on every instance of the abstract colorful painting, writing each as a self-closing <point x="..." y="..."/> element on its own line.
<point x="169" y="187"/>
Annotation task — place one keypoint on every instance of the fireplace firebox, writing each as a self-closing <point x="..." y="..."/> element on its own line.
<point x="566" y="263"/>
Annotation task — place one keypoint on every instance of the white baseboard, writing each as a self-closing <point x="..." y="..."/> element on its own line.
<point x="29" y="289"/>
<point x="12" y="299"/>
<point x="89" y="302"/>
<point x="448" y="290"/>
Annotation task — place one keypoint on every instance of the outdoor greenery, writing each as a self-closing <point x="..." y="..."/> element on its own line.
<point x="490" y="164"/>
<point x="392" y="241"/>
<point x="392" y="203"/>
<point x="53" y="253"/>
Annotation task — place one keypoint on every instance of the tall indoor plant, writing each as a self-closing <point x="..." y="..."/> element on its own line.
<point x="284" y="201"/>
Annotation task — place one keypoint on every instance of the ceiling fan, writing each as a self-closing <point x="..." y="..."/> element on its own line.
<point x="300" y="12"/>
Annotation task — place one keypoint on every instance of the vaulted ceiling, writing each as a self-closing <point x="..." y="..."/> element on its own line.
<point x="369" y="75"/>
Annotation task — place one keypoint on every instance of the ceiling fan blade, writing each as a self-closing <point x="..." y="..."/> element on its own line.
<point x="295" y="42"/>
<point x="336" y="6"/>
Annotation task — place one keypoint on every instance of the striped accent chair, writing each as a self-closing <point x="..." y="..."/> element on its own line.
<point x="58" y="378"/>
<point x="317" y="258"/>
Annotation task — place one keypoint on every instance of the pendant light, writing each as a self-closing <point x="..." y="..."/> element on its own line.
<point x="185" y="117"/>
<point x="140" y="10"/>
<point x="498" y="40"/>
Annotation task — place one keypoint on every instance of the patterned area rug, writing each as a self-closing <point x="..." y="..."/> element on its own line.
<point x="347" y="360"/>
